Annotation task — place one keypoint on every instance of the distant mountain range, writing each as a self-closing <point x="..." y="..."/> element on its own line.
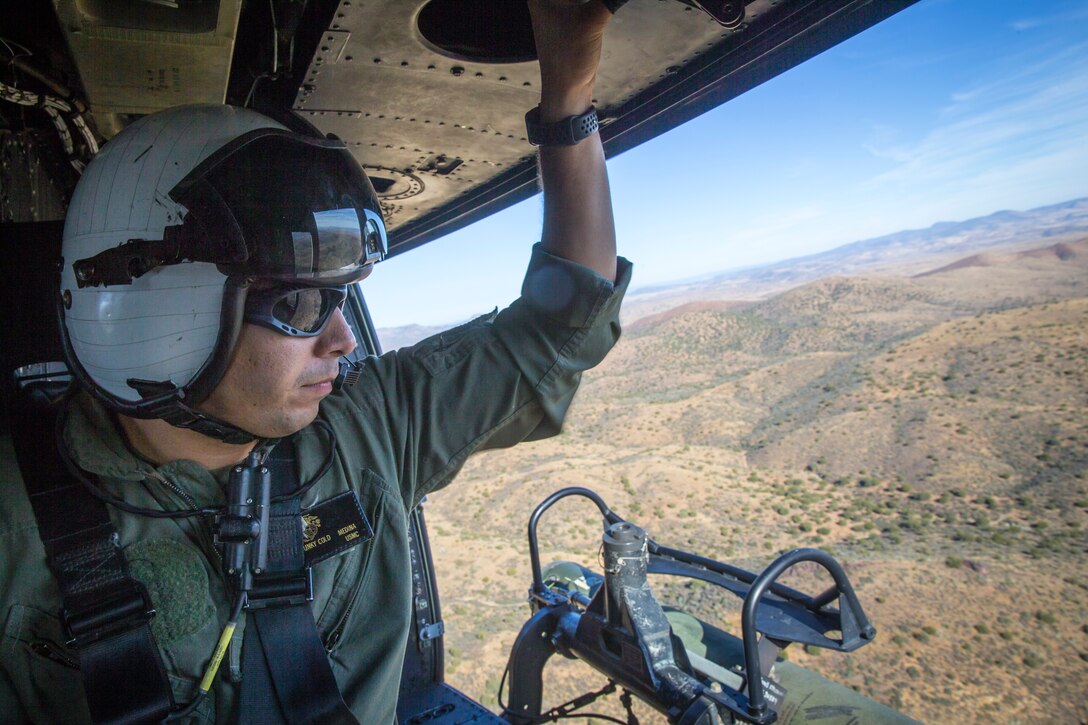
<point x="907" y="252"/>
<point x="902" y="253"/>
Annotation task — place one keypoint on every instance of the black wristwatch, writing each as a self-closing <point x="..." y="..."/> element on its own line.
<point x="567" y="132"/>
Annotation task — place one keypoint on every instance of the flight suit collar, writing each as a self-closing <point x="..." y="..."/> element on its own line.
<point x="94" y="441"/>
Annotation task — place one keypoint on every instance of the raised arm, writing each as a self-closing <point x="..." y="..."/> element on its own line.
<point x="578" y="222"/>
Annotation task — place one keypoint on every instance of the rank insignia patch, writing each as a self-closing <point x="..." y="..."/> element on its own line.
<point x="311" y="524"/>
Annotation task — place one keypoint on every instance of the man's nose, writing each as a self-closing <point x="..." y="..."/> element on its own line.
<point x="337" y="339"/>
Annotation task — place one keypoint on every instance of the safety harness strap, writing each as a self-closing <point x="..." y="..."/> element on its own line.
<point x="283" y="657"/>
<point x="286" y="675"/>
<point x="106" y="612"/>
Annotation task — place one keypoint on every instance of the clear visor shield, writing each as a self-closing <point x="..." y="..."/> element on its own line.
<point x="277" y="205"/>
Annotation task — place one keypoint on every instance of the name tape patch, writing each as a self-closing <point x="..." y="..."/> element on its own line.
<point x="774" y="693"/>
<point x="333" y="526"/>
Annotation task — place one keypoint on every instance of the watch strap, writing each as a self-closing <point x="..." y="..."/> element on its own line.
<point x="566" y="132"/>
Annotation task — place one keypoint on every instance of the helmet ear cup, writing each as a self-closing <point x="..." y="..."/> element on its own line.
<point x="167" y="336"/>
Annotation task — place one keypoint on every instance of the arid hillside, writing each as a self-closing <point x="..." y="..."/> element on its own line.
<point x="929" y="430"/>
<point x="903" y="253"/>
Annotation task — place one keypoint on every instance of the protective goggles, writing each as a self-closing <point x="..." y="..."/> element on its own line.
<point x="294" y="311"/>
<point x="271" y="204"/>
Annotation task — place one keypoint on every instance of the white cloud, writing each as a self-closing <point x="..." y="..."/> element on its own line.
<point x="1027" y="24"/>
<point x="1038" y="112"/>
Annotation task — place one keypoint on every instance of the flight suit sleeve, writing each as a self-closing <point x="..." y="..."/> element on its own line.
<point x="500" y="379"/>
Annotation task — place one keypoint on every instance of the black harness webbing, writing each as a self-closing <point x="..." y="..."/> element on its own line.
<point x="106" y="613"/>
<point x="286" y="675"/>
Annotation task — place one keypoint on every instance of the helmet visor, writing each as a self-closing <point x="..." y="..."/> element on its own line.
<point x="277" y="205"/>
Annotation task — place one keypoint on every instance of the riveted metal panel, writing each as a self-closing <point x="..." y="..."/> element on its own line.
<point x="400" y="102"/>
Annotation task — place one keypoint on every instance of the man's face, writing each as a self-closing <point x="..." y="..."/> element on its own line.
<point x="274" y="382"/>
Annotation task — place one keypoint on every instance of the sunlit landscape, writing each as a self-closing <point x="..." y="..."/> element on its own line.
<point x="858" y="322"/>
<point x="927" y="428"/>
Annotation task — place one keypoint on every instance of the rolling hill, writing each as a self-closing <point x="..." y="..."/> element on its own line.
<point x="929" y="428"/>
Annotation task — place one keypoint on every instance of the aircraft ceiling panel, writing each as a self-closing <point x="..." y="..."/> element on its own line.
<point x="429" y="125"/>
<point x="429" y="94"/>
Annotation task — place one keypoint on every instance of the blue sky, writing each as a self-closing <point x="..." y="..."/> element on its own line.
<point x="949" y="110"/>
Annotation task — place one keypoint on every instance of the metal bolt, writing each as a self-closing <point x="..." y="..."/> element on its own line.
<point x="66" y="297"/>
<point x="457" y="71"/>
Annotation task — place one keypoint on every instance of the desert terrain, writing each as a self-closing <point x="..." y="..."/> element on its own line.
<point x="921" y="417"/>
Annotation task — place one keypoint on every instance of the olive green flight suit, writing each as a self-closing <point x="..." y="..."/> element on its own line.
<point x="404" y="430"/>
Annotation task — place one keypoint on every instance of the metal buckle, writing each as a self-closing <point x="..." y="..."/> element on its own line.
<point x="129" y="609"/>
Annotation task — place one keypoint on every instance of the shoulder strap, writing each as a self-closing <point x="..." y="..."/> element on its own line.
<point x="278" y="687"/>
<point x="106" y="612"/>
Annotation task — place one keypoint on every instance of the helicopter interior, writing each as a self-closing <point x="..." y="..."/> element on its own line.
<point x="429" y="95"/>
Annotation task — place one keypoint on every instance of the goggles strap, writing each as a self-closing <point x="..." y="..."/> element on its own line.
<point x="190" y="241"/>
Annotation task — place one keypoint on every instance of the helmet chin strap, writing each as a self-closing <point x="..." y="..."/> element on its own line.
<point x="182" y="416"/>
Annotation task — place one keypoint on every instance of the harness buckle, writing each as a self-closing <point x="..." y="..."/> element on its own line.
<point x="269" y="590"/>
<point x="126" y="608"/>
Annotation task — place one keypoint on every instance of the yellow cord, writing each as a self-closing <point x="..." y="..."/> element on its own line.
<point x="217" y="656"/>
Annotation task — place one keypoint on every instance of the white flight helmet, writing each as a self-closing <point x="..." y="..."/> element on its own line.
<point x="170" y="224"/>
